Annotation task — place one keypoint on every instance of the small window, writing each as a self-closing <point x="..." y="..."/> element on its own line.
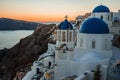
<point x="49" y="64"/>
<point x="58" y="35"/>
<point x="101" y="17"/>
<point x="107" y="44"/>
<point x="70" y="36"/>
<point x="93" y="44"/>
<point x="108" y="17"/>
<point x="63" y="36"/>
<point x="37" y="70"/>
<point x="81" y="42"/>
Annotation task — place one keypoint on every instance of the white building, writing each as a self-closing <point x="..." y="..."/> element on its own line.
<point x="79" y="18"/>
<point x="116" y="16"/>
<point x="93" y="47"/>
<point x="69" y="57"/>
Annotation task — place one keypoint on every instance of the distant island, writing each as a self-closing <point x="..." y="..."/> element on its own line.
<point x="13" y="24"/>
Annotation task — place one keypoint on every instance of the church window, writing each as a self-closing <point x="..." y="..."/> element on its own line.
<point x="108" y="17"/>
<point x="107" y="42"/>
<point x="101" y="17"/>
<point x="93" y="43"/>
<point x="70" y="36"/>
<point x="58" y="35"/>
<point x="81" y="42"/>
<point x="63" y="36"/>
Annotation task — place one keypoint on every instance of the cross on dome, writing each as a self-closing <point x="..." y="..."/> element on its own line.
<point x="65" y="24"/>
<point x="66" y="17"/>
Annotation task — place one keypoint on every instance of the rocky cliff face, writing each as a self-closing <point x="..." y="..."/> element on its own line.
<point x="21" y="56"/>
<point x="116" y="41"/>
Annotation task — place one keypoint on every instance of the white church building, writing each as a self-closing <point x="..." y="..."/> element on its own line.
<point x="93" y="48"/>
<point x="104" y="13"/>
<point x="77" y="52"/>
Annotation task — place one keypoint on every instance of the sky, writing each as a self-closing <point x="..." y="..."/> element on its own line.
<point x="51" y="10"/>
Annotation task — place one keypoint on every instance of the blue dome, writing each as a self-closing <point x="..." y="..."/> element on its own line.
<point x="65" y="25"/>
<point x="94" y="26"/>
<point x="101" y="8"/>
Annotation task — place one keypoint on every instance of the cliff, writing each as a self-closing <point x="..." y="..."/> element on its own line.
<point x="21" y="56"/>
<point x="116" y="41"/>
<point x="12" y="24"/>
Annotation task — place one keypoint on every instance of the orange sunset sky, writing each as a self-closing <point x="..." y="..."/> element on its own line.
<point x="51" y="10"/>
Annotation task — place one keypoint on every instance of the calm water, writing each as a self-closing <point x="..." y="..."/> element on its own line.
<point x="10" y="38"/>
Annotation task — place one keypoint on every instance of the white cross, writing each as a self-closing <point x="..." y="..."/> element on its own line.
<point x="66" y="17"/>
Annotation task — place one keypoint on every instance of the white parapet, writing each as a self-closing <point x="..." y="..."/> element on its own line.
<point x="29" y="75"/>
<point x="104" y="72"/>
<point x="81" y="77"/>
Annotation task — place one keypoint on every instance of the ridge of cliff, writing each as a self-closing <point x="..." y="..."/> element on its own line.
<point x="14" y="24"/>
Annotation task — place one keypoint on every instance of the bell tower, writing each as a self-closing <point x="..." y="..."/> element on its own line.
<point x="65" y="40"/>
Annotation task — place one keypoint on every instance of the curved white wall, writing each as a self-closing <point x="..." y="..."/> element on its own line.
<point x="102" y="41"/>
<point x="106" y="17"/>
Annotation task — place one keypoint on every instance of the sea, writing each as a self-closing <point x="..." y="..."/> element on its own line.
<point x="9" y="38"/>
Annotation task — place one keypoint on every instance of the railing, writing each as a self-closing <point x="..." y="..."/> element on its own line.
<point x="113" y="73"/>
